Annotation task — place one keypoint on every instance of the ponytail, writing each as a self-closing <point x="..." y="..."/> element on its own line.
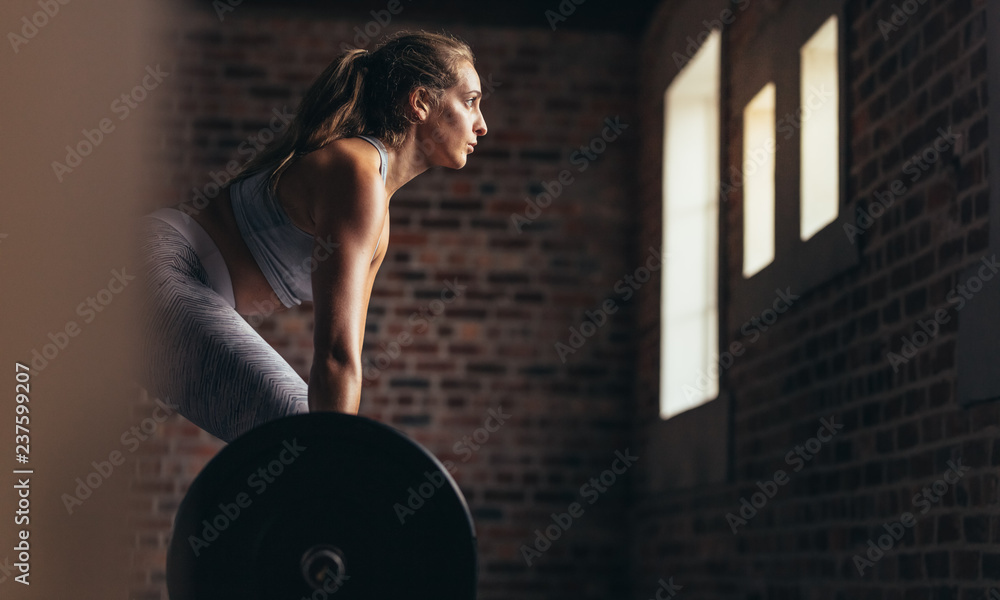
<point x="330" y="106"/>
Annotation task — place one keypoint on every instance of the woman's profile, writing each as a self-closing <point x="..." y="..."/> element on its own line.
<point x="306" y="220"/>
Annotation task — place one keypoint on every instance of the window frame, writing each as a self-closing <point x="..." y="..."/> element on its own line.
<point x="977" y="350"/>
<point x="798" y="265"/>
<point x="701" y="437"/>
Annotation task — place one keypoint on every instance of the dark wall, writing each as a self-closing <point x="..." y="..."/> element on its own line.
<point x="833" y="355"/>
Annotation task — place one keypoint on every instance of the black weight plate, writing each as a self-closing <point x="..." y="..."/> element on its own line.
<point x="321" y="485"/>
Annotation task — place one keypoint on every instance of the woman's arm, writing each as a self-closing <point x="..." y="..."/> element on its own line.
<point x="352" y="217"/>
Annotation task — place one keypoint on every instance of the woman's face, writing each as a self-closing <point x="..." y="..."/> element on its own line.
<point x="450" y="133"/>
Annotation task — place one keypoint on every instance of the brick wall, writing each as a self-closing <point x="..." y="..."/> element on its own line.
<point x="496" y="345"/>
<point x="829" y="355"/>
<point x="492" y="348"/>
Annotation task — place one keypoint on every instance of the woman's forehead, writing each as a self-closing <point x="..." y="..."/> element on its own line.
<point x="468" y="76"/>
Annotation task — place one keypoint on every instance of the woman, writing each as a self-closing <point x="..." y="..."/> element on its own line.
<point x="307" y="219"/>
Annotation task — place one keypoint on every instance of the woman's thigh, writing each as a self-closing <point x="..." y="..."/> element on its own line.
<point x="198" y="353"/>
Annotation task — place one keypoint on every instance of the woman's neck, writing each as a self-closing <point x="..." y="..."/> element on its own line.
<point x="405" y="162"/>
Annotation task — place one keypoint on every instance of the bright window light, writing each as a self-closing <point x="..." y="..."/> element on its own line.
<point x="689" y="333"/>
<point x="758" y="181"/>
<point x="820" y="187"/>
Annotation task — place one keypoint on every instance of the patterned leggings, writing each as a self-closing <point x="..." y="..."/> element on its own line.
<point x="197" y="352"/>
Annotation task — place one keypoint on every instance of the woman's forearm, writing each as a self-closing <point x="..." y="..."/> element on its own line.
<point x="334" y="386"/>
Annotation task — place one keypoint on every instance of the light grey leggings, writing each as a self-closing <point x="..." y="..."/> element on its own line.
<point x="197" y="352"/>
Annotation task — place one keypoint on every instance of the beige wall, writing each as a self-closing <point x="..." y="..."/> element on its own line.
<point x="61" y="242"/>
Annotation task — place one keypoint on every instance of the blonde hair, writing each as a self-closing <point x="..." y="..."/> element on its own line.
<point x="366" y="93"/>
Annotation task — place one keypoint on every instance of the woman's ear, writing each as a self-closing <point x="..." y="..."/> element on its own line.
<point x="420" y="104"/>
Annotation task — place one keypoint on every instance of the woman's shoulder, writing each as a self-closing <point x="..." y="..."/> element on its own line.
<point x="352" y="156"/>
<point x="341" y="176"/>
<point x="346" y="169"/>
<point x="339" y="166"/>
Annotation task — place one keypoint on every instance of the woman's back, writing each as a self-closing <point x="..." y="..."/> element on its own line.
<point x="266" y="240"/>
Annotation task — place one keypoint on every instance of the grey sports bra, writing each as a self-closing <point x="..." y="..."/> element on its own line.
<point x="282" y="250"/>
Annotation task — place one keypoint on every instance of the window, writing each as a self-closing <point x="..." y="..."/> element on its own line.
<point x="689" y="373"/>
<point x="794" y="236"/>
<point x="758" y="181"/>
<point x="820" y="146"/>
<point x="696" y="401"/>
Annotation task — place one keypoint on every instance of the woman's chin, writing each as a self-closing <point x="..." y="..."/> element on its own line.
<point x="458" y="163"/>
